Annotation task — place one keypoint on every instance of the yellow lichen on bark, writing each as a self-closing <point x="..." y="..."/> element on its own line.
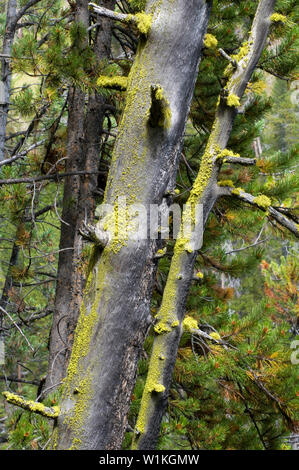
<point x="227" y="153"/>
<point x="226" y="183"/>
<point x="165" y="118"/>
<point x="215" y="335"/>
<point x="77" y="386"/>
<point x="153" y="384"/>
<point x="237" y="191"/>
<point x="276" y="17"/>
<point x="144" y="22"/>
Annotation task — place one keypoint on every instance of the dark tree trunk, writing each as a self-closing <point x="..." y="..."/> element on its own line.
<point x="83" y="153"/>
<point x="8" y="282"/>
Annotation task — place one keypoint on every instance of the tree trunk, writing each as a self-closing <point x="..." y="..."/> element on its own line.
<point x="115" y="312"/>
<point x="83" y="149"/>
<point x="205" y="191"/>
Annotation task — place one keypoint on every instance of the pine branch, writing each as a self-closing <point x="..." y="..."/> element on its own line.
<point x="25" y="9"/>
<point x="17" y="326"/>
<point x="251" y="415"/>
<point x="29" y="320"/>
<point x="32" y="126"/>
<point x="37" y="214"/>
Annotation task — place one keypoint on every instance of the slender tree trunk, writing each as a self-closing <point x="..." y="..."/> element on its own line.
<point x="5" y="83"/>
<point x="12" y="17"/>
<point x="83" y="149"/>
<point x="8" y="282"/>
<point x="205" y="191"/>
<point x="115" y="312"/>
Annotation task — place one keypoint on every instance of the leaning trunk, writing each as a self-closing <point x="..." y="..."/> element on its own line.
<point x="115" y="312"/>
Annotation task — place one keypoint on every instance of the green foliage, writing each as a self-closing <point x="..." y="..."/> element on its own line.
<point x="28" y="431"/>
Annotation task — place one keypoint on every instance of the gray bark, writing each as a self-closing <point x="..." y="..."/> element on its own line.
<point x="115" y="312"/>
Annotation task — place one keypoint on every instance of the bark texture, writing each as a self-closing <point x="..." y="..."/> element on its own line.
<point x="115" y="312"/>
<point x="205" y="191"/>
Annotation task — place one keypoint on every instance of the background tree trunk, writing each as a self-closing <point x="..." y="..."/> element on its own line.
<point x="115" y="312"/>
<point x="83" y="153"/>
<point x="205" y="191"/>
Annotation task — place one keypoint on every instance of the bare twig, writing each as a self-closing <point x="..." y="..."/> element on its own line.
<point x="246" y="247"/>
<point x="30" y="320"/>
<point x="240" y="160"/>
<point x="228" y="57"/>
